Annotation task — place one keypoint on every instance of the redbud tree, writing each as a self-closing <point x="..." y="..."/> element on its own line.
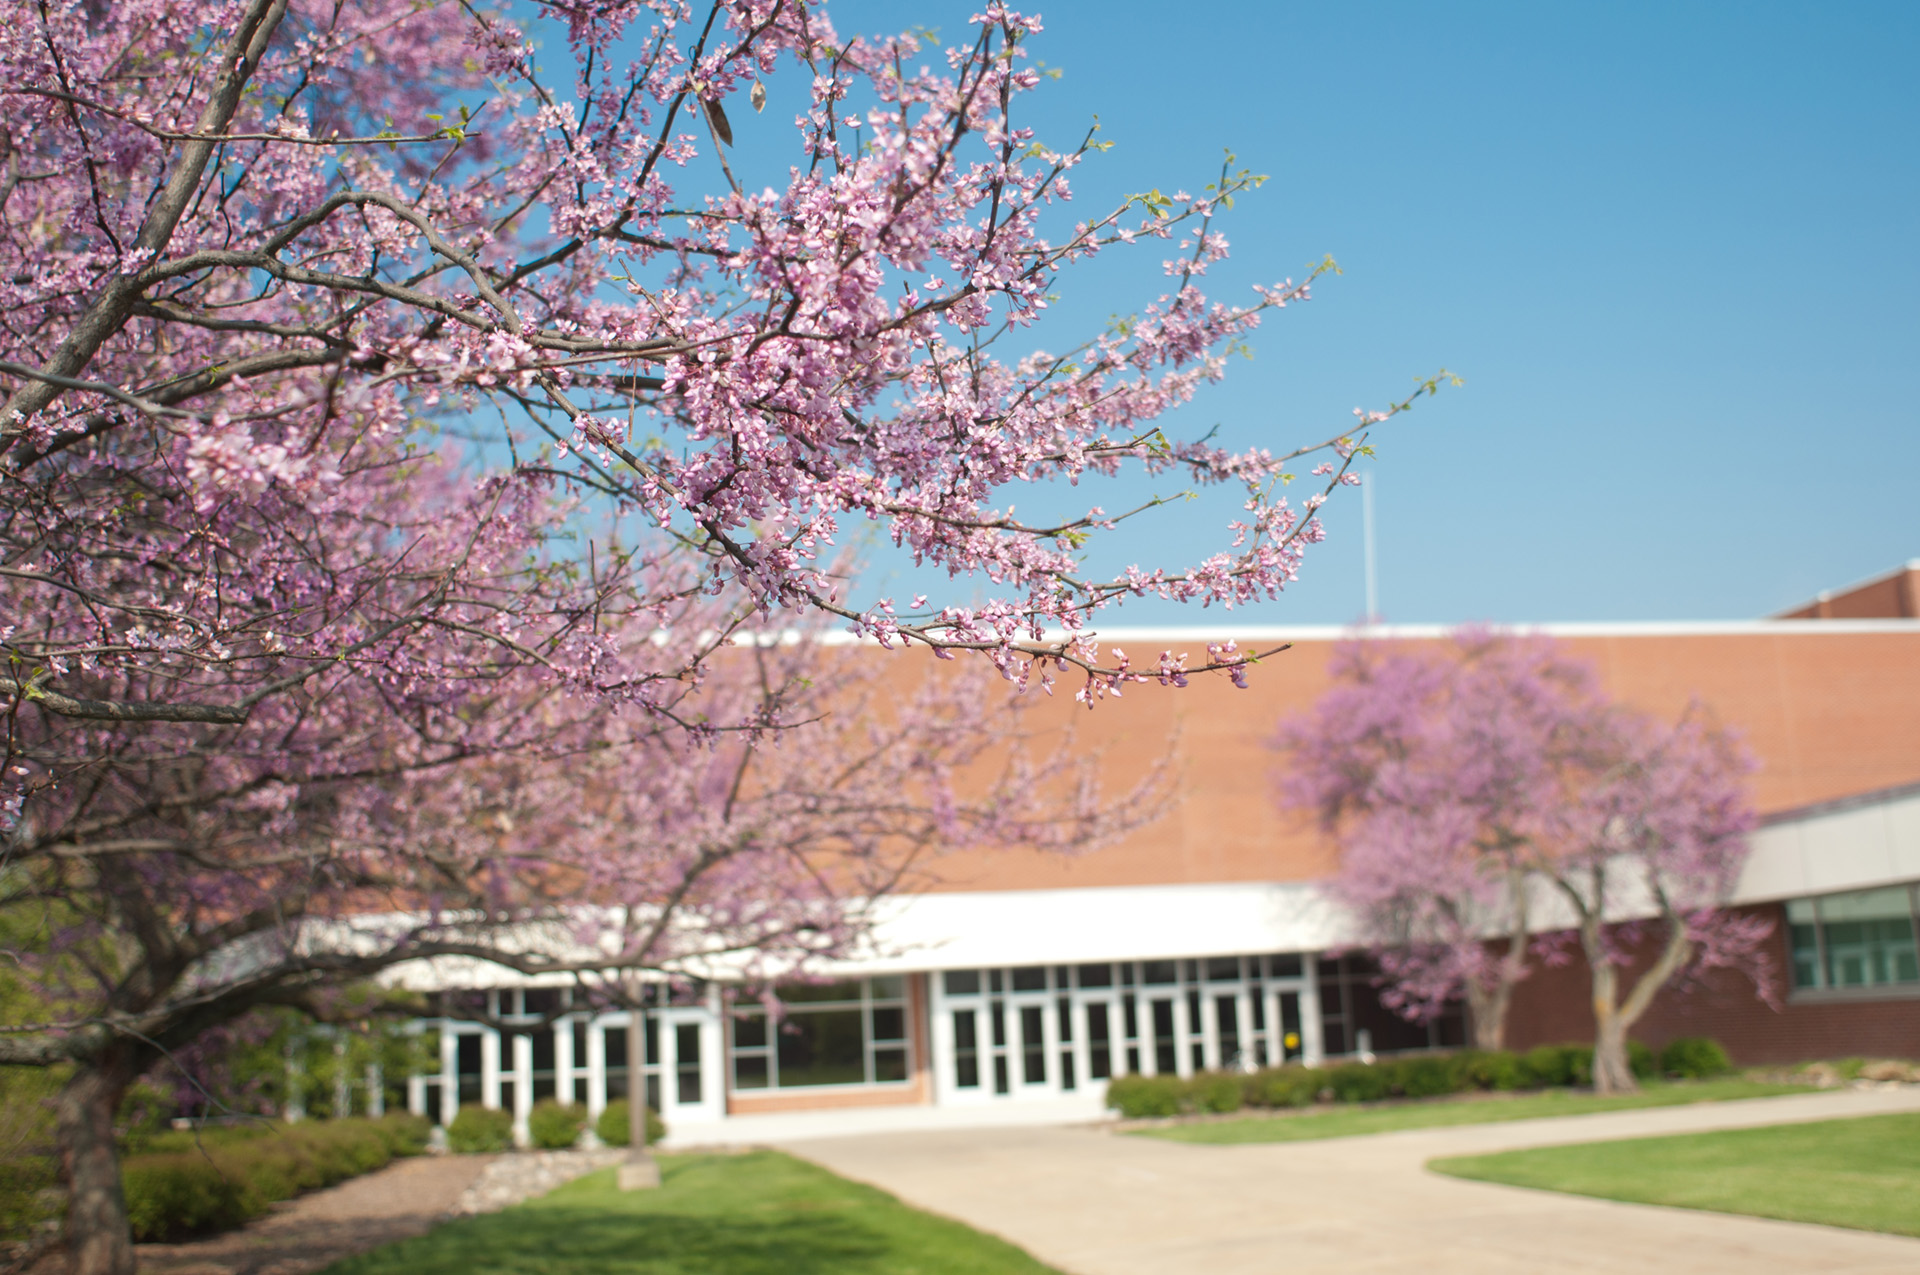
<point x="258" y="620"/>
<point x="1484" y="795"/>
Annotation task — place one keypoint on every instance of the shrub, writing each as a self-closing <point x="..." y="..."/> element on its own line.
<point x="1358" y="1082"/>
<point x="1291" y="1086"/>
<point x="1427" y="1076"/>
<point x="209" y="1179"/>
<point x="1490" y="1069"/>
<point x="1550" y="1066"/>
<point x="612" y="1127"/>
<point x="1641" y="1060"/>
<point x="403" y="1132"/>
<point x="555" y="1126"/>
<point x="1214" y="1091"/>
<point x="176" y="1194"/>
<point x="479" y="1129"/>
<point x="1143" y="1097"/>
<point x="1695" y="1058"/>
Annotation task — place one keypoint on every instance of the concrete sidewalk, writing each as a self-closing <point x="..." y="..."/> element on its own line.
<point x="1093" y="1203"/>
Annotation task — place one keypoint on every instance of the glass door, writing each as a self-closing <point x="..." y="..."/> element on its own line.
<point x="688" y="1041"/>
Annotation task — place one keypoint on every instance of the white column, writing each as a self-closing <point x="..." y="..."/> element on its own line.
<point x="342" y="1084"/>
<point x="563" y="1060"/>
<point x="714" y="1063"/>
<point x="449" y="1076"/>
<point x="296" y="1106"/>
<point x="1310" y="1038"/>
<point x="523" y="1086"/>
<point x="376" y="1091"/>
<point x="596" y="1068"/>
<point x="490" y="1068"/>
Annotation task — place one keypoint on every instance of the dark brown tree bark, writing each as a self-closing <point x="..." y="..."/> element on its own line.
<point x="99" y="1240"/>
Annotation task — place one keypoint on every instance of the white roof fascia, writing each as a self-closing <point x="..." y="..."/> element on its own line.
<point x="1846" y="846"/>
<point x="1250" y="635"/>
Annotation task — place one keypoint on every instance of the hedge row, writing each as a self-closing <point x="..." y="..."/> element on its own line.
<point x="190" y="1183"/>
<point x="1425" y="1075"/>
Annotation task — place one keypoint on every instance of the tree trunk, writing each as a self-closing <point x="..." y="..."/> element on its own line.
<point x="99" y="1241"/>
<point x="1487" y="1007"/>
<point x="1612" y="1072"/>
<point x="641" y="1171"/>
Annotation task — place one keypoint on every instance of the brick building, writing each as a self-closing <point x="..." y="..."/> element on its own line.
<point x="1022" y="981"/>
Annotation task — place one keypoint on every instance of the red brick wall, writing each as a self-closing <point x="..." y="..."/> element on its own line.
<point x="1552" y="1005"/>
<point x="1894" y="596"/>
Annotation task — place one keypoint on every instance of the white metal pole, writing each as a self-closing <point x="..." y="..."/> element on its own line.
<point x="1366" y="518"/>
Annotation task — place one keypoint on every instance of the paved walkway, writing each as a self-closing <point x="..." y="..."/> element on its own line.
<point x="1093" y="1203"/>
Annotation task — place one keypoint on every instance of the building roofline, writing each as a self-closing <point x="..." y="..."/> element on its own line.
<point x="1840" y="805"/>
<point x="1255" y="634"/>
<point x="1828" y="595"/>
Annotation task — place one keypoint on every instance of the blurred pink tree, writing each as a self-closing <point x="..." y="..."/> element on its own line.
<point x="1477" y="791"/>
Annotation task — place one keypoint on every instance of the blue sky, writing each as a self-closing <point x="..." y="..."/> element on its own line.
<point x="1670" y="247"/>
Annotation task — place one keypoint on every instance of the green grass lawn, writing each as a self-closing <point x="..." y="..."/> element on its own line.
<point x="714" y="1214"/>
<point x="1863" y="1173"/>
<point x="1346" y="1122"/>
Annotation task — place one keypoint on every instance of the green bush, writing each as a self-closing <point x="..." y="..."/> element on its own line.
<point x="475" y="1130"/>
<point x="1144" y="1097"/>
<point x="1215" y="1091"/>
<point x="1491" y="1069"/>
<point x="176" y="1194"/>
<point x="1289" y="1086"/>
<point x="613" y="1127"/>
<point x="210" y="1179"/>
<point x="1695" y="1058"/>
<point x="403" y="1132"/>
<point x="1641" y="1060"/>
<point x="1551" y="1066"/>
<point x="554" y="1125"/>
<point x="1358" y="1082"/>
<point x="1427" y="1076"/>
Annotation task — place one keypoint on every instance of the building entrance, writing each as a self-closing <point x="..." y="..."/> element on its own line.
<point x="1050" y="1031"/>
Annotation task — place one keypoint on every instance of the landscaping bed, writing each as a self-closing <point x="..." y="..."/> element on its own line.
<point x="195" y="1182"/>
<point x="1439" y="1089"/>
<point x="1421" y="1075"/>
<point x="1433" y="1113"/>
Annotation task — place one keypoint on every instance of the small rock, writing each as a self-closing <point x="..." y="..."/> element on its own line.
<point x="1889" y="1069"/>
<point x="522" y="1175"/>
<point x="1821" y="1075"/>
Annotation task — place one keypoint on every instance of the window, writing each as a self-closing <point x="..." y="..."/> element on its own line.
<point x="1031" y="979"/>
<point x="1860" y="940"/>
<point x="851" y="1033"/>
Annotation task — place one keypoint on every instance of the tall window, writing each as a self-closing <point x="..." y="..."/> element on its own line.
<point x="852" y="1033"/>
<point x="1858" y="940"/>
